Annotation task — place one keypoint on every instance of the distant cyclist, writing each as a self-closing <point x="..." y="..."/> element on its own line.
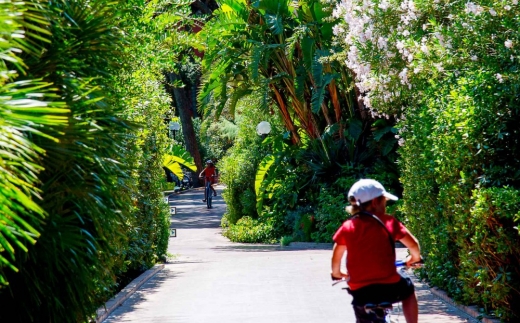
<point x="209" y="174"/>
<point x="368" y="240"/>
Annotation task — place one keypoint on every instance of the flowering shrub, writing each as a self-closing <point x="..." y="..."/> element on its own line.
<point x="397" y="48"/>
<point x="449" y="72"/>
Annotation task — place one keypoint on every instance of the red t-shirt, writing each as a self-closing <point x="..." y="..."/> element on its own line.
<point x="209" y="171"/>
<point x="370" y="259"/>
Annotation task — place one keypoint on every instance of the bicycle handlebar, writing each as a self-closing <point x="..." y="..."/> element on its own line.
<point x="398" y="263"/>
<point x="402" y="263"/>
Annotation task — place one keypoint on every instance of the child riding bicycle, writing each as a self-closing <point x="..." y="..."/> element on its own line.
<point x="368" y="240"/>
<point x="209" y="173"/>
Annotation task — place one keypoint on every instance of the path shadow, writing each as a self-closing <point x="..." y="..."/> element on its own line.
<point x="149" y="288"/>
<point x="200" y="219"/>
<point x="192" y="213"/>
<point x="298" y="246"/>
<point x="435" y="308"/>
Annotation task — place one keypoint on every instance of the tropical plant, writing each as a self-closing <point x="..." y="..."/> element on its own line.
<point x="216" y="137"/>
<point x="283" y="50"/>
<point x="176" y="157"/>
<point x="74" y="46"/>
<point x="175" y="26"/>
<point x="26" y="106"/>
<point x="239" y="165"/>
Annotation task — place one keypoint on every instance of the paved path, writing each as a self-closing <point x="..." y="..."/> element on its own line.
<point x="210" y="279"/>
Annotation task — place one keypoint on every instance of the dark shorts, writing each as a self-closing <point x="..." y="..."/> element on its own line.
<point x="380" y="293"/>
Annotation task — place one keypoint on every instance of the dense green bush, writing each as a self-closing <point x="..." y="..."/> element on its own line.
<point x="490" y="250"/>
<point x="303" y="192"/>
<point x="103" y="212"/>
<point x="460" y="151"/>
<point x="249" y="230"/>
<point x="330" y="208"/>
<point x="144" y="101"/>
<point x="238" y="167"/>
<point x="216" y="137"/>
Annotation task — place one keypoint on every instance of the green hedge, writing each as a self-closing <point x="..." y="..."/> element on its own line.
<point x="490" y="250"/>
<point x="460" y="177"/>
<point x="97" y="171"/>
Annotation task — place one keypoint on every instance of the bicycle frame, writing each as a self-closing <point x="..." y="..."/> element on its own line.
<point x="207" y="192"/>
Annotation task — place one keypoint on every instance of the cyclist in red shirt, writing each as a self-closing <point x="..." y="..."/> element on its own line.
<point x="368" y="240"/>
<point x="209" y="173"/>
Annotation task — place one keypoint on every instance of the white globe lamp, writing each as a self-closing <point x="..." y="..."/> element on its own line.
<point x="263" y="128"/>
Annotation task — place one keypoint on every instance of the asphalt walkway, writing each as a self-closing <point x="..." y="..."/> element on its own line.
<point x="210" y="279"/>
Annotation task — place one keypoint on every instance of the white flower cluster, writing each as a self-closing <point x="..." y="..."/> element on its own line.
<point x="360" y="33"/>
<point x="394" y="48"/>
<point x="474" y="8"/>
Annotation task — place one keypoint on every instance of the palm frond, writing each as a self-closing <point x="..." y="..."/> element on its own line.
<point x="78" y="169"/>
<point x="25" y="110"/>
<point x="176" y="157"/>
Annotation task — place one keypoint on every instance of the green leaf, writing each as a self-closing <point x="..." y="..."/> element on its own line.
<point x="308" y="51"/>
<point x="261" y="173"/>
<point x="355" y="128"/>
<point x="176" y="157"/>
<point x="275" y="23"/>
<point x="379" y="133"/>
<point x="318" y="93"/>
<point x="299" y="82"/>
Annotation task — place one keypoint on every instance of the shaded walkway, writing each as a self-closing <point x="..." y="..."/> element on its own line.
<point x="210" y="279"/>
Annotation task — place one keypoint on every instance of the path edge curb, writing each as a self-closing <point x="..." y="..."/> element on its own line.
<point x="104" y="311"/>
<point x="470" y="310"/>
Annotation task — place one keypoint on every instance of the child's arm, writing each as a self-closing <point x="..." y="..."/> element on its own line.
<point x="411" y="242"/>
<point x="337" y="254"/>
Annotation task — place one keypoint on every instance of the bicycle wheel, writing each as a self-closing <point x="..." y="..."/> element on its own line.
<point x="208" y="196"/>
<point x="363" y="317"/>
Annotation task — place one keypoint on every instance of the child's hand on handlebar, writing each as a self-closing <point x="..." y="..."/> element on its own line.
<point x="339" y="276"/>
<point x="414" y="262"/>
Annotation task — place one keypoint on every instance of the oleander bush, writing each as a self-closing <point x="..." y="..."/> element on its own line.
<point x="448" y="72"/>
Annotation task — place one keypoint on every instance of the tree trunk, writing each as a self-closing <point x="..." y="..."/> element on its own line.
<point x="183" y="105"/>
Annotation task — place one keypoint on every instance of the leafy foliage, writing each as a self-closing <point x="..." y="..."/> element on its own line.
<point x="67" y="144"/>
<point x="79" y="174"/>
<point x="25" y="108"/>
<point x="250" y="230"/>
<point x="283" y="49"/>
<point x="176" y="157"/>
<point x="449" y="71"/>
<point x="216" y="138"/>
<point x="238" y="167"/>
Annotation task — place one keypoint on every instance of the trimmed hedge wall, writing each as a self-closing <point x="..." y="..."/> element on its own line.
<point x="462" y="189"/>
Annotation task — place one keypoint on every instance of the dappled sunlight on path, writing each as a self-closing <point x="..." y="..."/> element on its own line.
<point x="210" y="279"/>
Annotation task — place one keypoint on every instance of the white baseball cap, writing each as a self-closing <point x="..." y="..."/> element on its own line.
<point x="365" y="190"/>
